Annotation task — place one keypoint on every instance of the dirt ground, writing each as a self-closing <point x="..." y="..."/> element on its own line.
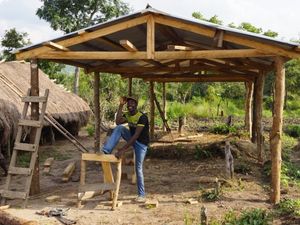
<point x="170" y="180"/>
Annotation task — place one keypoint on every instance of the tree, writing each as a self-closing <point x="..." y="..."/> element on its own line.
<point x="73" y="15"/>
<point x="12" y="40"/>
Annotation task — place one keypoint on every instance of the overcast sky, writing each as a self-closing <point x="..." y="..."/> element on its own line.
<point x="281" y="16"/>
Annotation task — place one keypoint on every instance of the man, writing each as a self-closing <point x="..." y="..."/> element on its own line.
<point x="137" y="136"/>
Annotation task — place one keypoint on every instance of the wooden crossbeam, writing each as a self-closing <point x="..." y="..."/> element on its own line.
<point x="55" y="46"/>
<point x="200" y="78"/>
<point x="159" y="55"/>
<point x="128" y="45"/>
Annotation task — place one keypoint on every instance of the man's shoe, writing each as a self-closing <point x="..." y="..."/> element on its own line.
<point x="140" y="199"/>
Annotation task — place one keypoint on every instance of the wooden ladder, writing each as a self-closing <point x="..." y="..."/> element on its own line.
<point x="8" y="192"/>
<point x="109" y="183"/>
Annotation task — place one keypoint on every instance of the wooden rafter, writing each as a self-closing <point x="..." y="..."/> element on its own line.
<point x="128" y="45"/>
<point x="84" y="37"/>
<point x="218" y="39"/>
<point x="179" y="47"/>
<point x="55" y="46"/>
<point x="243" y="40"/>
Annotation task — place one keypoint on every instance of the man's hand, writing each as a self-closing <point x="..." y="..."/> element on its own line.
<point x="123" y="100"/>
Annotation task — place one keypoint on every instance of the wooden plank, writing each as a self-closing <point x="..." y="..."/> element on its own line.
<point x="150" y="37"/>
<point x="35" y="99"/>
<point x="128" y="45"/>
<point x="84" y="37"/>
<point x="68" y="171"/>
<point x="19" y="170"/>
<point x="209" y="54"/>
<point x="25" y="147"/>
<point x="97" y="187"/>
<point x="276" y="132"/>
<point x="179" y="48"/>
<point x="99" y="158"/>
<point x="55" y="46"/>
<point x="86" y="55"/>
<point x="30" y="123"/>
<point x="118" y="182"/>
<point x="13" y="194"/>
<point x="47" y="164"/>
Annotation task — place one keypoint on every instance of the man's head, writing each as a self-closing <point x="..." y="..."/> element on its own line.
<point x="132" y="105"/>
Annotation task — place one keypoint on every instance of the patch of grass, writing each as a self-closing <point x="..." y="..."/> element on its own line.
<point x="243" y="169"/>
<point x="90" y="130"/>
<point x="56" y="154"/>
<point x="248" y="217"/>
<point x="211" y="196"/>
<point x="223" y="129"/>
<point x="288" y="207"/>
<point x="201" y="153"/>
<point x="293" y="130"/>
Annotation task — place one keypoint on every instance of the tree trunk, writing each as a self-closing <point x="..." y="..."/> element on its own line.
<point x="180" y="124"/>
<point x="34" y="82"/>
<point x="76" y="80"/>
<point x="276" y="132"/>
<point x="164" y="104"/>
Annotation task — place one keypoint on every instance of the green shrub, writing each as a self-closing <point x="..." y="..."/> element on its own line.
<point x="90" y="129"/>
<point x="248" y="217"/>
<point x="202" y="153"/>
<point x="223" y="129"/>
<point x="288" y="207"/>
<point x="293" y="130"/>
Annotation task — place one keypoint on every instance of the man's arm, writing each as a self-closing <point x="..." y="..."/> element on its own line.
<point x="137" y="133"/>
<point x="120" y="118"/>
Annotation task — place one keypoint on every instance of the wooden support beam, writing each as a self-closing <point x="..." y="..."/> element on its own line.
<point x="179" y="48"/>
<point x="55" y="46"/>
<point x="259" y="110"/>
<point x="159" y="55"/>
<point x="276" y="132"/>
<point x="218" y="39"/>
<point x="128" y="45"/>
<point x="150" y="37"/>
<point x="152" y="109"/>
<point x="130" y="86"/>
<point x="84" y="37"/>
<point x="248" y="107"/>
<point x="164" y="103"/>
<point x="34" y="85"/>
<point x="97" y="111"/>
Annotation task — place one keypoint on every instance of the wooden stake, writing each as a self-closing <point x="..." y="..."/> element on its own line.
<point x="152" y="109"/>
<point x="34" y="82"/>
<point x="276" y="132"/>
<point x="97" y="111"/>
<point x="248" y="107"/>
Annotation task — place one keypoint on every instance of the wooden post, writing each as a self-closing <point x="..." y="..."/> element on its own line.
<point x="164" y="103"/>
<point x="259" y="109"/>
<point x="152" y="109"/>
<point x="130" y="86"/>
<point x="254" y="113"/>
<point x="248" y="107"/>
<point x="34" y="82"/>
<point x="276" y="132"/>
<point x="97" y="111"/>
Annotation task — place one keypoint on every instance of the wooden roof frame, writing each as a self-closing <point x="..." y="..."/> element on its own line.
<point x="60" y="51"/>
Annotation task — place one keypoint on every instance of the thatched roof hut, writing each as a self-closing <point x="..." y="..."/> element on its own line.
<point x="67" y="108"/>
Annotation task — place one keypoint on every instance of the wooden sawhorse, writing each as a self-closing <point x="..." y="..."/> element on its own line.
<point x="109" y="183"/>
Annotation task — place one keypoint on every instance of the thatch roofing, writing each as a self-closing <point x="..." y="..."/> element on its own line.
<point x="151" y="44"/>
<point x="62" y="105"/>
